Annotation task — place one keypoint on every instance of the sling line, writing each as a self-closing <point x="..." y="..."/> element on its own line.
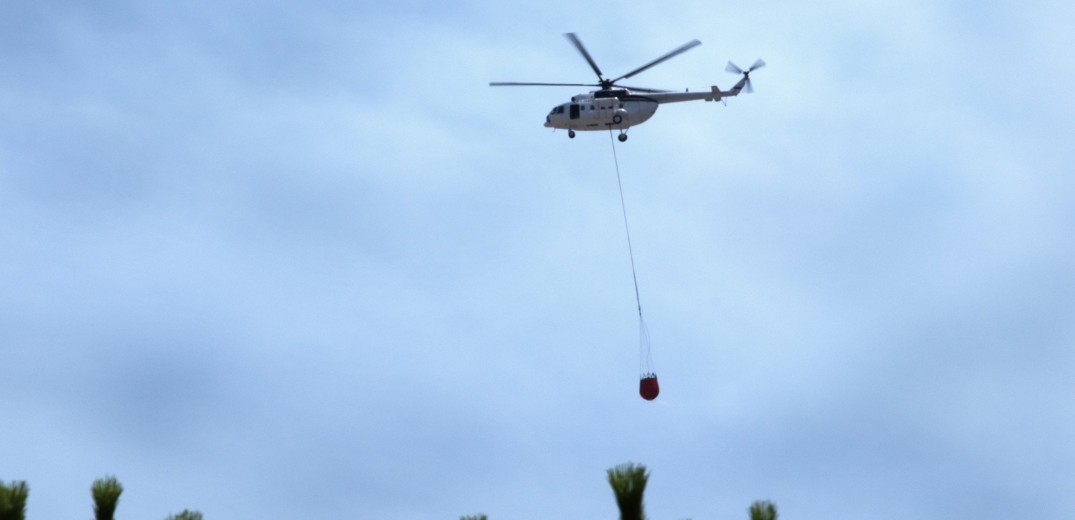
<point x="645" y="361"/>
<point x="626" y="228"/>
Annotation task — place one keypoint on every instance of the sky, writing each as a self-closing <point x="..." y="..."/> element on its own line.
<point x="299" y="260"/>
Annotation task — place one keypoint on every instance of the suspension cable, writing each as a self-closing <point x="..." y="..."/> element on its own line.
<point x="645" y="356"/>
<point x="623" y="205"/>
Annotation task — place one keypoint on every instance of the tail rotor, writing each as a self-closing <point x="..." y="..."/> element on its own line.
<point x="747" y="84"/>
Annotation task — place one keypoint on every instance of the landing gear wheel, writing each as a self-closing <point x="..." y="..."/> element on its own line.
<point x="617" y="119"/>
<point x="622" y="137"/>
<point x="571" y="134"/>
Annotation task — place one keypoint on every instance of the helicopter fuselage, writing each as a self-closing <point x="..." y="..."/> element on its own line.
<point x="601" y="110"/>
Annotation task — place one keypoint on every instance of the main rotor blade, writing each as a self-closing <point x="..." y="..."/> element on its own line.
<point x="680" y="50"/>
<point x="644" y="89"/>
<point x="518" y="84"/>
<point x="582" y="50"/>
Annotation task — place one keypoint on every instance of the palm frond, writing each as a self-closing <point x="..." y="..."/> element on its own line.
<point x="762" y="510"/>
<point x="106" y="492"/>
<point x="186" y="515"/>
<point x="628" y="483"/>
<point x="13" y="500"/>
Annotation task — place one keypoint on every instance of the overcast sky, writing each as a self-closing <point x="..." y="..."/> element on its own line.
<point x="298" y="260"/>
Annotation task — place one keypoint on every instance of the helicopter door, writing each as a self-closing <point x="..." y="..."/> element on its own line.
<point x="574" y="111"/>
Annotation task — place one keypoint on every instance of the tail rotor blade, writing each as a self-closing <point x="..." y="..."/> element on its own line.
<point x="748" y="86"/>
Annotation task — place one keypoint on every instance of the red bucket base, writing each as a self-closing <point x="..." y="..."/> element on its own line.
<point x="648" y="387"/>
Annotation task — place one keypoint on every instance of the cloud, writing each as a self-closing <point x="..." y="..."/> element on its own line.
<point x="307" y="256"/>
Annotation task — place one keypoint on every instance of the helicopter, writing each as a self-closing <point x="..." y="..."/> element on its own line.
<point x="621" y="107"/>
